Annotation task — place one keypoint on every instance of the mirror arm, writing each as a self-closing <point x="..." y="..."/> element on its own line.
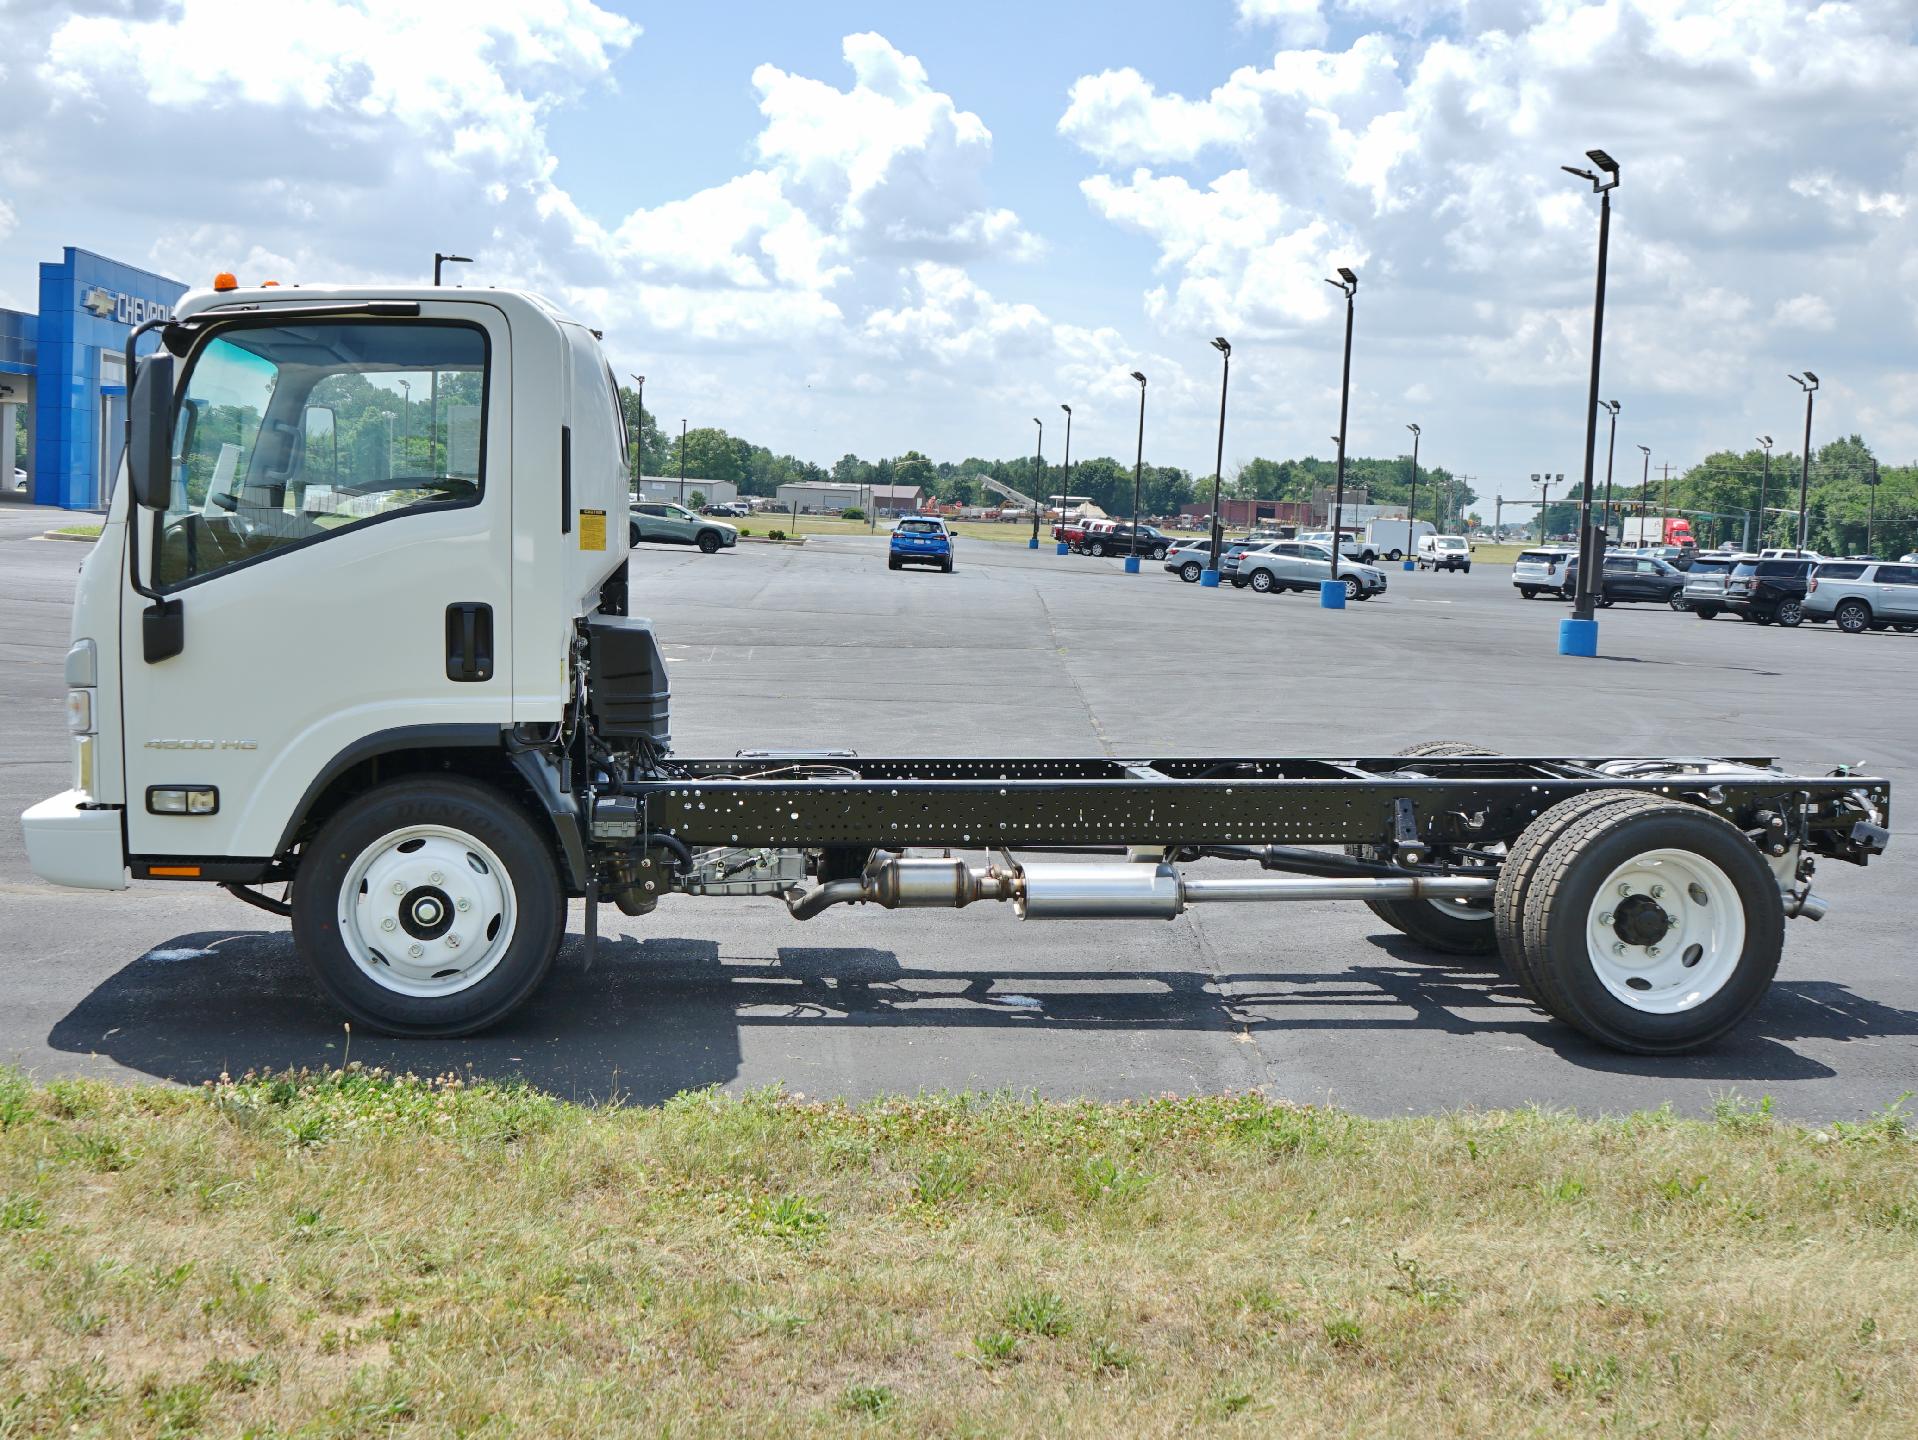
<point x="133" y="504"/>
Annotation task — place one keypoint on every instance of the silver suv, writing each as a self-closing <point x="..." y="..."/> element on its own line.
<point x="1863" y="595"/>
<point x="1283" y="565"/>
<point x="1705" y="583"/>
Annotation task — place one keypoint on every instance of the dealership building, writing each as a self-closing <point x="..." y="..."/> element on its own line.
<point x="63" y="370"/>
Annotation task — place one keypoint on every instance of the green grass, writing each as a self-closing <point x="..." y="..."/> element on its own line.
<point x="92" y="530"/>
<point x="351" y="1254"/>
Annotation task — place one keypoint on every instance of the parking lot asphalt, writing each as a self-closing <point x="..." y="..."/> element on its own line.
<point x="1022" y="652"/>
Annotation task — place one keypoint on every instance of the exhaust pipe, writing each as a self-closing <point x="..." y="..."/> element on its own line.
<point x="1050" y="891"/>
<point x="1803" y="905"/>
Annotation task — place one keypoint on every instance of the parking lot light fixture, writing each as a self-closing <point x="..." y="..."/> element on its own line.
<point x="1065" y="475"/>
<point x="1412" y="504"/>
<point x="1039" y="473"/>
<point x="1809" y="384"/>
<point x="639" y="435"/>
<point x="1210" y="576"/>
<point x="1138" y="470"/>
<point x="1577" y="638"/>
<point x="682" y="467"/>
<point x="1331" y="591"/>
<point x="1765" y="441"/>
<point x="1871" y="508"/>
<point x="1644" y="484"/>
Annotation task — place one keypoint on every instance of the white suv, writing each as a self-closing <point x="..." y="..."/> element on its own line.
<point x="1547" y="569"/>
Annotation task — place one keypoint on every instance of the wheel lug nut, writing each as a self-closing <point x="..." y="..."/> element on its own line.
<point x="464" y="903"/>
<point x="1606" y="918"/>
<point x="399" y="887"/>
<point x="388" y="923"/>
<point x="416" y="951"/>
<point x="437" y="878"/>
<point x="1651" y="949"/>
<point x="1624" y="888"/>
<point x="1658" y="892"/>
<point x="1618" y="947"/>
<point x="452" y="942"/>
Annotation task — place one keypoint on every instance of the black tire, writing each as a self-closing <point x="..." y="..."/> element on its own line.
<point x="1098" y="547"/>
<point x="1158" y="552"/>
<point x="1790" y="613"/>
<point x="1437" y="930"/>
<point x="1528" y="592"/>
<point x="1190" y="572"/>
<point x="1565" y="890"/>
<point x="708" y="542"/>
<point x="1354" y="588"/>
<point x="1853" y="616"/>
<point x="892" y="563"/>
<point x="1677" y="601"/>
<point x="1605" y="602"/>
<point x="1394" y="554"/>
<point x="632" y="533"/>
<point x="1261" y="581"/>
<point x="472" y="810"/>
<point x="1758" y="619"/>
<point x="1706" y="612"/>
<point x="1904" y="629"/>
<point x="946" y="566"/>
<point x="1466" y="568"/>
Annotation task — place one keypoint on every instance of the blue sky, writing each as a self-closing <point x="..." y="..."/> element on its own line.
<point x="839" y="227"/>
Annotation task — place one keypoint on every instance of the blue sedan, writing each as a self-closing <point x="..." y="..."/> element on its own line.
<point x="920" y="540"/>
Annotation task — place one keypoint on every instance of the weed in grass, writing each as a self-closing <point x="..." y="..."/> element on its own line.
<point x="1038" y="1312"/>
<point x="1100" y="1177"/>
<point x="173" y="1410"/>
<point x="868" y="1400"/>
<point x="1675" y="1190"/>
<point x="942" y="1179"/>
<point x="1415" y="1282"/>
<point x="71" y="1396"/>
<point x="1565" y="1191"/>
<point x="21" y="1212"/>
<point x="1109" y="1355"/>
<point x="1892" y="1122"/>
<point x="75" y="1099"/>
<point x="1344" y="1332"/>
<point x="995" y="1347"/>
<point x="236" y="1377"/>
<point x="1735" y="1113"/>
<point x="16" y="1098"/>
<point x="1283" y="1129"/>
<point x="771" y="1320"/>
<point x="789" y="1217"/>
<point x="1225" y="1400"/>
<point x="1262" y="1303"/>
<point x="1594" y="1376"/>
<point x="103" y="1152"/>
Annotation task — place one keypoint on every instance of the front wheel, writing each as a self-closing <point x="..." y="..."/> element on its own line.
<point x="1904" y="629"/>
<point x="1190" y="572"/>
<point x="1466" y="568"/>
<point x="1354" y="588"/>
<point x="428" y="907"/>
<point x="1791" y="613"/>
<point x="708" y="542"/>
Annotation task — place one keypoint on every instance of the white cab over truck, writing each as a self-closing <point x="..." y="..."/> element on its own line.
<point x="357" y="626"/>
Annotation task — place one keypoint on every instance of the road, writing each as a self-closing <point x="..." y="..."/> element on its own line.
<point x="1028" y="652"/>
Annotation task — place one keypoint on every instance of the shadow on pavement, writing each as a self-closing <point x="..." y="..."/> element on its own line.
<point x="662" y="1015"/>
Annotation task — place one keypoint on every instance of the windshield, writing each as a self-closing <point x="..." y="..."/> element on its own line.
<point x="290" y="432"/>
<point x="1447" y="542"/>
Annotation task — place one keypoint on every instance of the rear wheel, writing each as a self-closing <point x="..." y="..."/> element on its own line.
<point x="1677" y="601"/>
<point x="1791" y="613"/>
<point x="1904" y="629"/>
<point x="946" y="565"/>
<point x="1706" y="612"/>
<point x="1190" y="572"/>
<point x="1098" y="547"/>
<point x="1450" y="927"/>
<point x="428" y="907"/>
<point x="1395" y="555"/>
<point x="1853" y="617"/>
<point x="1528" y="592"/>
<point x="1649" y="924"/>
<point x="1262" y="581"/>
<point x="892" y="562"/>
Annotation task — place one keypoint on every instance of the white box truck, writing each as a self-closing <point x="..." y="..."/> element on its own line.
<point x="1392" y="539"/>
<point x="389" y="667"/>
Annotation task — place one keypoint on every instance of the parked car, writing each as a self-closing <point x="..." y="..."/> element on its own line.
<point x="665" y="522"/>
<point x="1120" y="539"/>
<point x="920" y="540"/>
<point x="19" y="478"/>
<point x="1704" y="592"/>
<point x="1188" y="558"/>
<point x="1863" y="595"/>
<point x="1349" y="547"/>
<point x="1547" y="569"/>
<point x="726" y="509"/>
<point x="1073" y="531"/>
<point x="1444" y="552"/>
<point x="1766" y="590"/>
<point x="1281" y="565"/>
<point x="1636" y="576"/>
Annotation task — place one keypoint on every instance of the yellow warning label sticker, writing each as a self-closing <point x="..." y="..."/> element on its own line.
<point x="592" y="529"/>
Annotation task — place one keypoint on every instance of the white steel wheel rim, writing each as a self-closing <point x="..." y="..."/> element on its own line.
<point x="1698" y="953"/>
<point x="427" y="911"/>
<point x="1462" y="909"/>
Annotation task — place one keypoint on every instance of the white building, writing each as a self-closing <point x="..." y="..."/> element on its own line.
<point x="666" y="487"/>
<point x="823" y="497"/>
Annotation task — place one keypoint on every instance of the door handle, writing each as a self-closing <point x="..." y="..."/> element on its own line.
<point x="469" y="641"/>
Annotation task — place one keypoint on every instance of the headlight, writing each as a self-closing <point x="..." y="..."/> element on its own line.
<point x="80" y="712"/>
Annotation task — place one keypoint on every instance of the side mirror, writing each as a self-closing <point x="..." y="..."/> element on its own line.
<point x="150" y="437"/>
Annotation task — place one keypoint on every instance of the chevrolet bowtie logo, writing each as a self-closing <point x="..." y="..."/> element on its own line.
<point x="100" y="302"/>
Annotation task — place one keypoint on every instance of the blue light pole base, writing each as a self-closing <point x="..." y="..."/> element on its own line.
<point x="1132" y="564"/>
<point x="1060" y="548"/>
<point x="1209" y="579"/>
<point x="1578" y="637"/>
<point x="1331" y="594"/>
<point x="1409" y="566"/>
<point x="1033" y="543"/>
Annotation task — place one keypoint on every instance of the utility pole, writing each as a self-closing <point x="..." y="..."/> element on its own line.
<point x="1664" y="501"/>
<point x="1871" y="509"/>
<point x="1766" y="442"/>
<point x="1412" y="504"/>
<point x="639" y="439"/>
<point x="682" y="468"/>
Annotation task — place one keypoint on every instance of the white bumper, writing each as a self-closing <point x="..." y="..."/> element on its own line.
<point x="70" y="846"/>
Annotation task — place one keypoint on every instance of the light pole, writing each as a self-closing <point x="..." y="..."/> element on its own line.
<point x="1809" y="384"/>
<point x="1543" y="481"/>
<point x="1348" y="285"/>
<point x="682" y="463"/>
<point x="1871" y="508"/>
<point x="439" y="260"/>
<point x="1138" y="470"/>
<point x="1412" y="503"/>
<point x="639" y="438"/>
<point x="1210" y="575"/>
<point x="1763" y="484"/>
<point x="1610" y="446"/>
<point x="1039" y="473"/>
<point x="1065" y="471"/>
<point x="406" y="423"/>
<point x="1644" y="484"/>
<point x="1570" y="642"/>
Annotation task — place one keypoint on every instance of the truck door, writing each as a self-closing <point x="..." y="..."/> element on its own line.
<point x="339" y="543"/>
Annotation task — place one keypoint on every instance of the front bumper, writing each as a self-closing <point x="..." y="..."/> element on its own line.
<point x="68" y="845"/>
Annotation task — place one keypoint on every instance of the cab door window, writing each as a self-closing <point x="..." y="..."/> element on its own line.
<point x="290" y="434"/>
